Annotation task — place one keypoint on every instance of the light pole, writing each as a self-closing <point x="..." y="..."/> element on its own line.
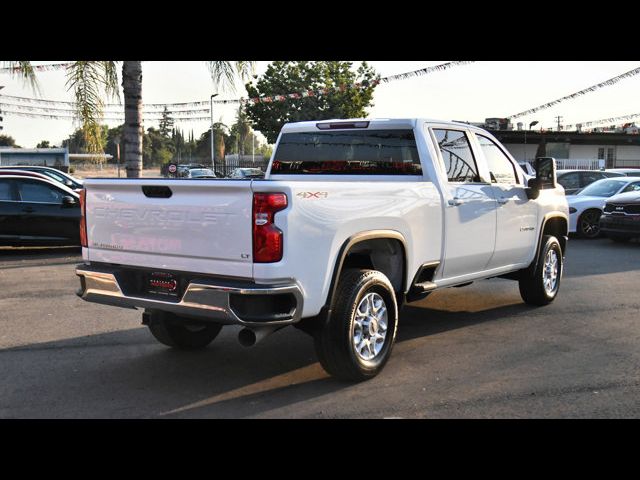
<point x="213" y="158"/>
<point x="535" y="122"/>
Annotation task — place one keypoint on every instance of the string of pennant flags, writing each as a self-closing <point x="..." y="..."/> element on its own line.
<point x="194" y="110"/>
<point x="53" y="110"/>
<point x="146" y="105"/>
<point x="606" y="83"/>
<point x="251" y="101"/>
<point x="38" y="68"/>
<point x="72" y="117"/>
<point x="603" y="120"/>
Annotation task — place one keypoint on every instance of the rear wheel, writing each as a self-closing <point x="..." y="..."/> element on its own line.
<point x="357" y="340"/>
<point x="539" y="284"/>
<point x="181" y="333"/>
<point x="589" y="223"/>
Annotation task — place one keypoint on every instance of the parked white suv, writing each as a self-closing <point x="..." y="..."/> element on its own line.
<point x="353" y="219"/>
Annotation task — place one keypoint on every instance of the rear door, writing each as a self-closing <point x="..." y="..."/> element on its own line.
<point x="470" y="207"/>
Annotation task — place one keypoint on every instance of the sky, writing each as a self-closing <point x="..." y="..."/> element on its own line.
<point x="470" y="92"/>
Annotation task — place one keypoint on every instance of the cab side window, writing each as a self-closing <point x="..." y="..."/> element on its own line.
<point x="500" y="167"/>
<point x="31" y="191"/>
<point x="457" y="155"/>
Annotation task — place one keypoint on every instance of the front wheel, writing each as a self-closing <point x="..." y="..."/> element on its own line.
<point x="357" y="340"/>
<point x="179" y="333"/>
<point x="589" y="223"/>
<point x="539" y="284"/>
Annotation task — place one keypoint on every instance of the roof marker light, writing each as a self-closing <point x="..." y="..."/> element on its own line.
<point x="342" y="125"/>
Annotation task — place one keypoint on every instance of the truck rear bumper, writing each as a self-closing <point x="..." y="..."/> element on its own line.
<point x="228" y="302"/>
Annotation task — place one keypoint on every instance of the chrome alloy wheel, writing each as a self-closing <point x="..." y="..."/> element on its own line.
<point x="550" y="272"/>
<point x="370" y="326"/>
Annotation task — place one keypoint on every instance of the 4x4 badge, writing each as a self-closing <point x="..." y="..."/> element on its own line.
<point x="307" y="195"/>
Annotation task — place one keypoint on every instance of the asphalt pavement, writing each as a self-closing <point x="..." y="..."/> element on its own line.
<point x="473" y="352"/>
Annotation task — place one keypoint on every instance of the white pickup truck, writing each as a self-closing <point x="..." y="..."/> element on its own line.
<point x="353" y="219"/>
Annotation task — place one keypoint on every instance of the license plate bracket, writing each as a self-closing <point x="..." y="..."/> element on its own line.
<point x="163" y="283"/>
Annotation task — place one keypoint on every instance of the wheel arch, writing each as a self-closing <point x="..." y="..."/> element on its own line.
<point x="357" y="244"/>
<point x="555" y="224"/>
<point x="364" y="250"/>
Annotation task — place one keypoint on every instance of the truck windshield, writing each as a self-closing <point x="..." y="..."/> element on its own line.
<point x="347" y="152"/>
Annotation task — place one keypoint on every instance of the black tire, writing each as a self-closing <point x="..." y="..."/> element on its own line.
<point x="334" y="342"/>
<point x="183" y="334"/>
<point x="532" y="280"/>
<point x="588" y="225"/>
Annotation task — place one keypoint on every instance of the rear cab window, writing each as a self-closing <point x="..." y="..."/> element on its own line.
<point x="347" y="152"/>
<point x="459" y="162"/>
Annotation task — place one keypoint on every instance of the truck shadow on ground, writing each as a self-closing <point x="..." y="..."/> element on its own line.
<point x="21" y="256"/>
<point x="127" y="374"/>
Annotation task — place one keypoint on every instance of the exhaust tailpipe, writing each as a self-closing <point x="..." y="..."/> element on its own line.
<point x="248" y="337"/>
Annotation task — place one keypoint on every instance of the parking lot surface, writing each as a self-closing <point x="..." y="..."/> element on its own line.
<point x="473" y="352"/>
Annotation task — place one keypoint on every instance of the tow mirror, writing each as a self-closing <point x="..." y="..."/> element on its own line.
<point x="545" y="177"/>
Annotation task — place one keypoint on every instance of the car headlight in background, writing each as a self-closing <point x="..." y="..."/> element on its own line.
<point x="572" y="210"/>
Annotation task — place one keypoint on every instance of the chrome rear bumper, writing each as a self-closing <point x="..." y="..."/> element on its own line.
<point x="202" y="299"/>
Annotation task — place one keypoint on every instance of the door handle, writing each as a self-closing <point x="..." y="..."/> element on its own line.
<point x="502" y="200"/>
<point x="455" y="202"/>
<point x="28" y="210"/>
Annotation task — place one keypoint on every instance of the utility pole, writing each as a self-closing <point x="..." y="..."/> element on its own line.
<point x="559" y="119"/>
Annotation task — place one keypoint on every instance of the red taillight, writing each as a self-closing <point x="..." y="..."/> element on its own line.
<point x="83" y="218"/>
<point x="267" y="238"/>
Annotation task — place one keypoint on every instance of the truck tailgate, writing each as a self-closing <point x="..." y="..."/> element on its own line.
<point x="185" y="225"/>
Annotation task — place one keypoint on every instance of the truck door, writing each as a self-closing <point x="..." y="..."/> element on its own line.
<point x="470" y="208"/>
<point x="517" y="215"/>
<point x="44" y="217"/>
<point x="9" y="212"/>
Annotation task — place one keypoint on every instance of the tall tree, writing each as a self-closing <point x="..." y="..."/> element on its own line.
<point x="343" y="99"/>
<point x="166" y="123"/>
<point x="7" y="141"/>
<point x="89" y="79"/>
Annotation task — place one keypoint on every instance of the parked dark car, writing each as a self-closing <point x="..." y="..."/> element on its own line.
<point x="200" y="173"/>
<point x="574" y="180"/>
<point x="620" y="220"/>
<point x="629" y="172"/>
<point x="240" y="173"/>
<point x="22" y="173"/>
<point x="183" y="170"/>
<point x="35" y="211"/>
<point x="53" y="174"/>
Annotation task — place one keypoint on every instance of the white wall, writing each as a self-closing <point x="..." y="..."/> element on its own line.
<point x="518" y="151"/>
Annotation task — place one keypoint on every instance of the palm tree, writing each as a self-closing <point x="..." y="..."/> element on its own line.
<point x="89" y="80"/>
